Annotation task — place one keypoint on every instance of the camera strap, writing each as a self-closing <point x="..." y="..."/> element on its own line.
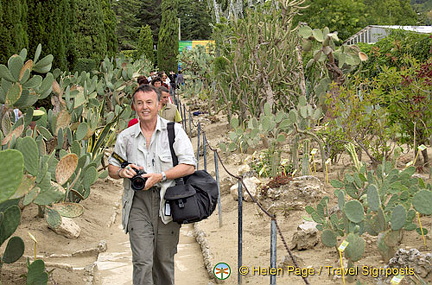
<point x="123" y="162"/>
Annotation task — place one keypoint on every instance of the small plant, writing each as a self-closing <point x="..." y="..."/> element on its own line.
<point x="382" y="203"/>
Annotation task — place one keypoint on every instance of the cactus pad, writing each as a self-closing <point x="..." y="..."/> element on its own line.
<point x="66" y="167"/>
<point x="11" y="220"/>
<point x="328" y="238"/>
<point x="30" y="151"/>
<point x="52" y="217"/>
<point x="14" y="250"/>
<point x="10" y="176"/>
<point x="354" y="211"/>
<point x="36" y="273"/>
<point x="373" y="198"/>
<point x="69" y="210"/>
<point x="398" y="217"/>
<point x="356" y="247"/>
<point x="422" y="202"/>
<point x="15" y="133"/>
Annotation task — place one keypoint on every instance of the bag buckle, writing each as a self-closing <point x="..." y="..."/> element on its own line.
<point x="181" y="204"/>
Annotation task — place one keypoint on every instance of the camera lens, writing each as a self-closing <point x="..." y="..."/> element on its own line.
<point x="138" y="182"/>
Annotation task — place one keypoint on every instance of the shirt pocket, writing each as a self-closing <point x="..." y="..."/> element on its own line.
<point x="165" y="161"/>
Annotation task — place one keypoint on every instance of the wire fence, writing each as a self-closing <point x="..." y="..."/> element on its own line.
<point x="274" y="226"/>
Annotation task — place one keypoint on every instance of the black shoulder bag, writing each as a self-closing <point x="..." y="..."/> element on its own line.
<point x="194" y="197"/>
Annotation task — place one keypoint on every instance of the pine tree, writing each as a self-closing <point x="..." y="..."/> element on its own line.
<point x="195" y="20"/>
<point x="50" y="23"/>
<point x="89" y="30"/>
<point x="128" y="23"/>
<point x="145" y="43"/>
<point x="150" y="14"/>
<point x="167" y="50"/>
<point x="110" y="24"/>
<point x="13" y="36"/>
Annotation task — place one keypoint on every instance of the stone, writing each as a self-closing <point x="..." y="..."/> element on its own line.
<point x="68" y="228"/>
<point x="252" y="184"/>
<point x="306" y="236"/>
<point x="243" y="169"/>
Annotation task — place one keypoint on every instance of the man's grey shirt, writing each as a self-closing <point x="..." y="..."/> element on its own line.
<point x="131" y="146"/>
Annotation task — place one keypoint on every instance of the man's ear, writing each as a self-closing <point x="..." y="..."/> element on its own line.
<point x="133" y="106"/>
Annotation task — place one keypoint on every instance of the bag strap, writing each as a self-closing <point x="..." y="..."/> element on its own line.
<point x="171" y="139"/>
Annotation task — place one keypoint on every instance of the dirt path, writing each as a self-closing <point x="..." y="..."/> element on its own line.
<point x="114" y="267"/>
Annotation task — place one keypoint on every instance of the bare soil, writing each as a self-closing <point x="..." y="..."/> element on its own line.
<point x="78" y="261"/>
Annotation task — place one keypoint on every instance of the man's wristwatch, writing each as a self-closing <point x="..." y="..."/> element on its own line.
<point x="164" y="178"/>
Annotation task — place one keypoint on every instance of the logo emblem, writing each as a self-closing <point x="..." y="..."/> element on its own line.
<point x="222" y="271"/>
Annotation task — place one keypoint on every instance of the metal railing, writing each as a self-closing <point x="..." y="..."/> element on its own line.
<point x="274" y="227"/>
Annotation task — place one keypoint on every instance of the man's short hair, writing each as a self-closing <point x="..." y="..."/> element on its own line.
<point x="145" y="88"/>
<point x="163" y="89"/>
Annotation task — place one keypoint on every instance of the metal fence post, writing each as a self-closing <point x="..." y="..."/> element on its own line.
<point x="240" y="232"/>
<point x="190" y="124"/>
<point x="205" y="151"/>
<point x="273" y="247"/>
<point x="216" y="162"/>
<point x="198" y="144"/>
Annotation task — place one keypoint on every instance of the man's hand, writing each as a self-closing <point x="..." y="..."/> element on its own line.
<point x="152" y="179"/>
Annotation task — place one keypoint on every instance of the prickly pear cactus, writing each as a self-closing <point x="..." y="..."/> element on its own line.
<point x="354" y="211"/>
<point x="28" y="147"/>
<point x="11" y="175"/>
<point x="356" y="247"/>
<point x="69" y="210"/>
<point x="66" y="167"/>
<point x="37" y="273"/>
<point x="328" y="238"/>
<point x="10" y="222"/>
<point x="14" y="250"/>
<point x="422" y="202"/>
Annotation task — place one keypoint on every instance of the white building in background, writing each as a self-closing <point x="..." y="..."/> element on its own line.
<point x="371" y="34"/>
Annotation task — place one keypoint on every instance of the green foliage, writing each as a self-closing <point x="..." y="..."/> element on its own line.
<point x="36" y="272"/>
<point x="273" y="130"/>
<point x="11" y="176"/>
<point x="195" y="20"/>
<point x="197" y="67"/>
<point x="52" y="23"/>
<point x="89" y="30"/>
<point x="393" y="50"/>
<point x="13" y="36"/>
<point x="346" y="17"/>
<point x="85" y="64"/>
<point x="268" y="163"/>
<point x="326" y="61"/>
<point x="380" y="202"/>
<point x="260" y="62"/>
<point x="168" y="45"/>
<point x="110" y="25"/>
<point x="129" y="22"/>
<point x="145" y="43"/>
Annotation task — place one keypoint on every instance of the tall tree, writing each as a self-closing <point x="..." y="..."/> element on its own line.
<point x="128" y="23"/>
<point x="145" y="43"/>
<point x="89" y="30"/>
<point x="13" y="35"/>
<point x="167" y="50"/>
<point x="195" y="20"/>
<point x="150" y="14"/>
<point x="110" y="25"/>
<point x="390" y="12"/>
<point x="344" y="16"/>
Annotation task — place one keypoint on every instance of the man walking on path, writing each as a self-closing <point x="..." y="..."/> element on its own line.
<point x="152" y="234"/>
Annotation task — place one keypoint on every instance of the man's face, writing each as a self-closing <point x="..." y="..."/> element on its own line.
<point x="146" y="106"/>
<point x="164" y="98"/>
<point x="157" y="84"/>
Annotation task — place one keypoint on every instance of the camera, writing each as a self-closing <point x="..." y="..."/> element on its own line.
<point x="137" y="181"/>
